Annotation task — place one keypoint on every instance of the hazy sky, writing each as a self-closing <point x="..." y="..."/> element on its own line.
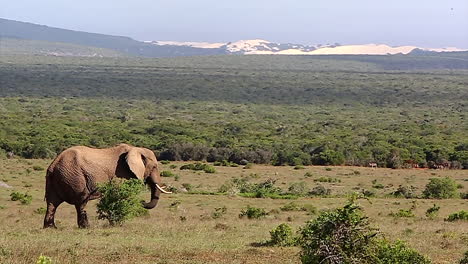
<point x="425" y="23"/>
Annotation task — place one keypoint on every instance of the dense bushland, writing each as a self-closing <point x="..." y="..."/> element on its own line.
<point x="289" y="110"/>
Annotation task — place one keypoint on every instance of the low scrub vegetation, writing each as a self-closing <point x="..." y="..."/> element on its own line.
<point x="432" y="212"/>
<point x="344" y="235"/>
<point x="282" y="236"/>
<point x="461" y="215"/>
<point x="253" y="212"/>
<point x="199" y="167"/>
<point x="441" y="188"/>
<point x="119" y="201"/>
<point x="23" y="198"/>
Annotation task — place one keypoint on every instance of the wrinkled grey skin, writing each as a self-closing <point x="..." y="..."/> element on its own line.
<point x="73" y="175"/>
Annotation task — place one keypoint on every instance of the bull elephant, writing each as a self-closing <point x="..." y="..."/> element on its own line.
<point x="73" y="175"/>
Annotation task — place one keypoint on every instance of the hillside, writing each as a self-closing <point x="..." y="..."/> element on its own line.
<point x="14" y="46"/>
<point x="29" y="31"/>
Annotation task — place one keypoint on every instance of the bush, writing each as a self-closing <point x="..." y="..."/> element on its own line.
<point x="403" y="213"/>
<point x="199" y="167"/>
<point x="433" y="211"/>
<point x="167" y="174"/>
<point x="319" y="191"/>
<point x="282" y="236"/>
<point x="292" y="206"/>
<point x="164" y="162"/>
<point x="253" y="212"/>
<point x="342" y="235"/>
<point x="298" y="188"/>
<point x="441" y="188"/>
<point x="398" y="252"/>
<point x="23" y="198"/>
<point x="327" y="179"/>
<point x="218" y="212"/>
<point x="405" y="191"/>
<point x="119" y="201"/>
<point x="460" y="215"/>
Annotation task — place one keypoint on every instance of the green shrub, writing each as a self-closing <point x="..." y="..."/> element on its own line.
<point x="219" y="212"/>
<point x="167" y="174"/>
<point x="23" y="198"/>
<point x="253" y="212"/>
<point x="327" y="179"/>
<point x="308" y="175"/>
<point x="441" y="188"/>
<point x="398" y="252"/>
<point x="299" y="167"/>
<point x="119" y="201"/>
<point x="433" y="211"/>
<point x="402" y="213"/>
<point x="199" y="167"/>
<point x="282" y="236"/>
<point x="460" y="215"/>
<point x="405" y="191"/>
<point x="172" y="166"/>
<point x="319" y="191"/>
<point x="298" y="188"/>
<point x="43" y="260"/>
<point x="164" y="162"/>
<point x="341" y="235"/>
<point x="292" y="206"/>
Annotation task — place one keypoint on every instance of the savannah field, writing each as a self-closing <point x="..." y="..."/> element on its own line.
<point x="182" y="229"/>
<point x="319" y="119"/>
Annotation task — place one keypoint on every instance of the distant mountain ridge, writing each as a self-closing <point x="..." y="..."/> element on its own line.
<point x="28" y="38"/>
<point x="29" y="31"/>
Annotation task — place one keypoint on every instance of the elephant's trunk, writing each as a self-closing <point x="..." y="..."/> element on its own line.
<point x="155" y="192"/>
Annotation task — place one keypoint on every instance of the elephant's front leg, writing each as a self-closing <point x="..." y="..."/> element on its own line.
<point x="82" y="217"/>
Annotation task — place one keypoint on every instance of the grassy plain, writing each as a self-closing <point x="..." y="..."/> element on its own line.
<point x="182" y="230"/>
<point x="349" y="109"/>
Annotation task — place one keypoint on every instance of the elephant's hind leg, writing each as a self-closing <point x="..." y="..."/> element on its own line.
<point x="82" y="216"/>
<point x="49" y="219"/>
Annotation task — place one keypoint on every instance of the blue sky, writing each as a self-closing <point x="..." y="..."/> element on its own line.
<point x="430" y="23"/>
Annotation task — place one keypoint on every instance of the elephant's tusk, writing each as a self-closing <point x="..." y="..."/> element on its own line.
<point x="162" y="190"/>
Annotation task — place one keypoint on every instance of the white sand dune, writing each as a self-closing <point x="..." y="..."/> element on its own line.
<point x="261" y="46"/>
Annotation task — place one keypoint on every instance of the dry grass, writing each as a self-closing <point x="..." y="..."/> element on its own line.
<point x="165" y="237"/>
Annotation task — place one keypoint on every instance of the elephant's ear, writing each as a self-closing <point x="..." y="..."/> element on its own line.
<point x="135" y="163"/>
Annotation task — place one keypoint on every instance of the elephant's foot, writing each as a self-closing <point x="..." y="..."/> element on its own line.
<point x="50" y="225"/>
<point x="82" y="216"/>
<point x="83" y="221"/>
<point x="49" y="218"/>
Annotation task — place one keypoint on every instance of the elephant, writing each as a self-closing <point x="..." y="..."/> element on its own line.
<point x="74" y="174"/>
